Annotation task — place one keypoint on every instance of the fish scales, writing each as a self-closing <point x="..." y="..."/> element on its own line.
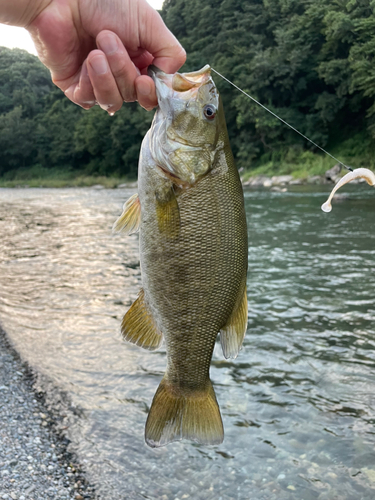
<point x="193" y="266"/>
<point x="193" y="281"/>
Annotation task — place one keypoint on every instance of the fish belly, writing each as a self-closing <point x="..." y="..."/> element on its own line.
<point x="192" y="281"/>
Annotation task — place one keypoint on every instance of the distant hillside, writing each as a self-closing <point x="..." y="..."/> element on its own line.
<point x="310" y="61"/>
<point x="41" y="130"/>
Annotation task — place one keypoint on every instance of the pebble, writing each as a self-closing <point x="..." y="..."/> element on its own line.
<point x="33" y="458"/>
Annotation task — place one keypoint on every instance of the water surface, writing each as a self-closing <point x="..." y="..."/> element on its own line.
<point x="298" y="403"/>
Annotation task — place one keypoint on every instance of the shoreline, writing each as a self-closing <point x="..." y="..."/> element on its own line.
<point x="35" y="463"/>
<point x="255" y="181"/>
<point x="267" y="181"/>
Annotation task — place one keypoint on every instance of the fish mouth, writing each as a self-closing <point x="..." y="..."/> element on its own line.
<point x="153" y="71"/>
<point x="178" y="82"/>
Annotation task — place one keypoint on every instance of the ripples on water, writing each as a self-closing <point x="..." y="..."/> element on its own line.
<point x="298" y="404"/>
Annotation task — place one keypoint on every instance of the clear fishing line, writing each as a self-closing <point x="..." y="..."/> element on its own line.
<point x="283" y="121"/>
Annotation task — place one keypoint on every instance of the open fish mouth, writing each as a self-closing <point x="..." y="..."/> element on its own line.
<point x="183" y="138"/>
<point x="179" y="82"/>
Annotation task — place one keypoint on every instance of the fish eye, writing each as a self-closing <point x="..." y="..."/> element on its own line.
<point x="209" y="111"/>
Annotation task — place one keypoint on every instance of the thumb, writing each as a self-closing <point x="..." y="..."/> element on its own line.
<point x="155" y="37"/>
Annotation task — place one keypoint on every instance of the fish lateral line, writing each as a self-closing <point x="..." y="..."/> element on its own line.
<point x="283" y="121"/>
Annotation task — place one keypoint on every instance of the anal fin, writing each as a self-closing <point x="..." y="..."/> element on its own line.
<point x="233" y="333"/>
<point x="138" y="325"/>
<point x="130" y="218"/>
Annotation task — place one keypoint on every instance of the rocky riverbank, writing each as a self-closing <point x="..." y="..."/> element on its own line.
<point x="34" y="461"/>
<point x="280" y="182"/>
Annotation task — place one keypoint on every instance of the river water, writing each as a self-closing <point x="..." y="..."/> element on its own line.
<point x="298" y="403"/>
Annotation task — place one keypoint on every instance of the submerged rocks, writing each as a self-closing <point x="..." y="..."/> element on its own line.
<point x="330" y="177"/>
<point x="281" y="180"/>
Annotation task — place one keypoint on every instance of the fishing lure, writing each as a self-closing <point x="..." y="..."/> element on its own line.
<point x="358" y="173"/>
<point x="363" y="173"/>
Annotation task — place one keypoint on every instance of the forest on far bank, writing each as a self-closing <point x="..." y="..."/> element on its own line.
<point x="310" y="61"/>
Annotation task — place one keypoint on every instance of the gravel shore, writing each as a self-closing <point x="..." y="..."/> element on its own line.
<point x="34" y="461"/>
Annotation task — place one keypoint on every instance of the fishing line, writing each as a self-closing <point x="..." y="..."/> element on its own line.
<point x="283" y="121"/>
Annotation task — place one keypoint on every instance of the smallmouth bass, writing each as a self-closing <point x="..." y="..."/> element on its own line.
<point x="193" y="252"/>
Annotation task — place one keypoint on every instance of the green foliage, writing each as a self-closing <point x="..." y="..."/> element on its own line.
<point x="41" y="131"/>
<point x="309" y="61"/>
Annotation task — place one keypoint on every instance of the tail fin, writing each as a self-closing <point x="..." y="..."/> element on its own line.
<point x="174" y="417"/>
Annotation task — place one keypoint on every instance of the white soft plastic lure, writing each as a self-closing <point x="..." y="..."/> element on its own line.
<point x="363" y="173"/>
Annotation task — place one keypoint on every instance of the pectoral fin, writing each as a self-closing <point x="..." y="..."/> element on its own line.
<point x="168" y="213"/>
<point x="232" y="335"/>
<point x="130" y="218"/>
<point x="138" y="325"/>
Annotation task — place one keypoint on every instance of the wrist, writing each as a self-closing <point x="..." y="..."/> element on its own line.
<point x="21" y="12"/>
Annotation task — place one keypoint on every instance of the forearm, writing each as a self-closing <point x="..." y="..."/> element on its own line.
<point x="21" y="12"/>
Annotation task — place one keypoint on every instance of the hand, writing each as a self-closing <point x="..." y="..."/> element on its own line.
<point x="99" y="50"/>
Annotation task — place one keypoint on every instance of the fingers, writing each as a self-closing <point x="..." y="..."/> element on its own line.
<point x="131" y="85"/>
<point x="156" y="38"/>
<point x="83" y="93"/>
<point x="123" y="70"/>
<point x="65" y="38"/>
<point x="109" y="78"/>
<point x="146" y="93"/>
<point x="103" y="82"/>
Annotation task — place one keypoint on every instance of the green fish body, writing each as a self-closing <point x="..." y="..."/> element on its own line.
<point x="193" y="253"/>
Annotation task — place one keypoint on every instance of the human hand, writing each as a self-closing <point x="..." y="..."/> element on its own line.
<point x="99" y="50"/>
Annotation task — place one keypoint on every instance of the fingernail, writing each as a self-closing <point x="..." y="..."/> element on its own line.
<point x="106" y="107"/>
<point x="84" y="71"/>
<point x="99" y="64"/>
<point x="69" y="92"/>
<point x="143" y="88"/>
<point x="108" y="44"/>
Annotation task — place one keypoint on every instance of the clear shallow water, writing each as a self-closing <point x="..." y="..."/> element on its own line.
<point x="298" y="404"/>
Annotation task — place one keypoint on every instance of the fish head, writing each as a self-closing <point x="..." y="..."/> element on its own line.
<point x="186" y="125"/>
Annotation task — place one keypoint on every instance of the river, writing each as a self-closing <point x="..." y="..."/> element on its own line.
<point x="298" y="403"/>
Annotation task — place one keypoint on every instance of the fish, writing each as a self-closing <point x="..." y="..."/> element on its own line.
<point x="358" y="173"/>
<point x="190" y="214"/>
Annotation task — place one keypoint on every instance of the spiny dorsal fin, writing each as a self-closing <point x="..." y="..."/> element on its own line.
<point x="168" y="213"/>
<point x="138" y="325"/>
<point x="130" y="218"/>
<point x="174" y="416"/>
<point x="232" y="335"/>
